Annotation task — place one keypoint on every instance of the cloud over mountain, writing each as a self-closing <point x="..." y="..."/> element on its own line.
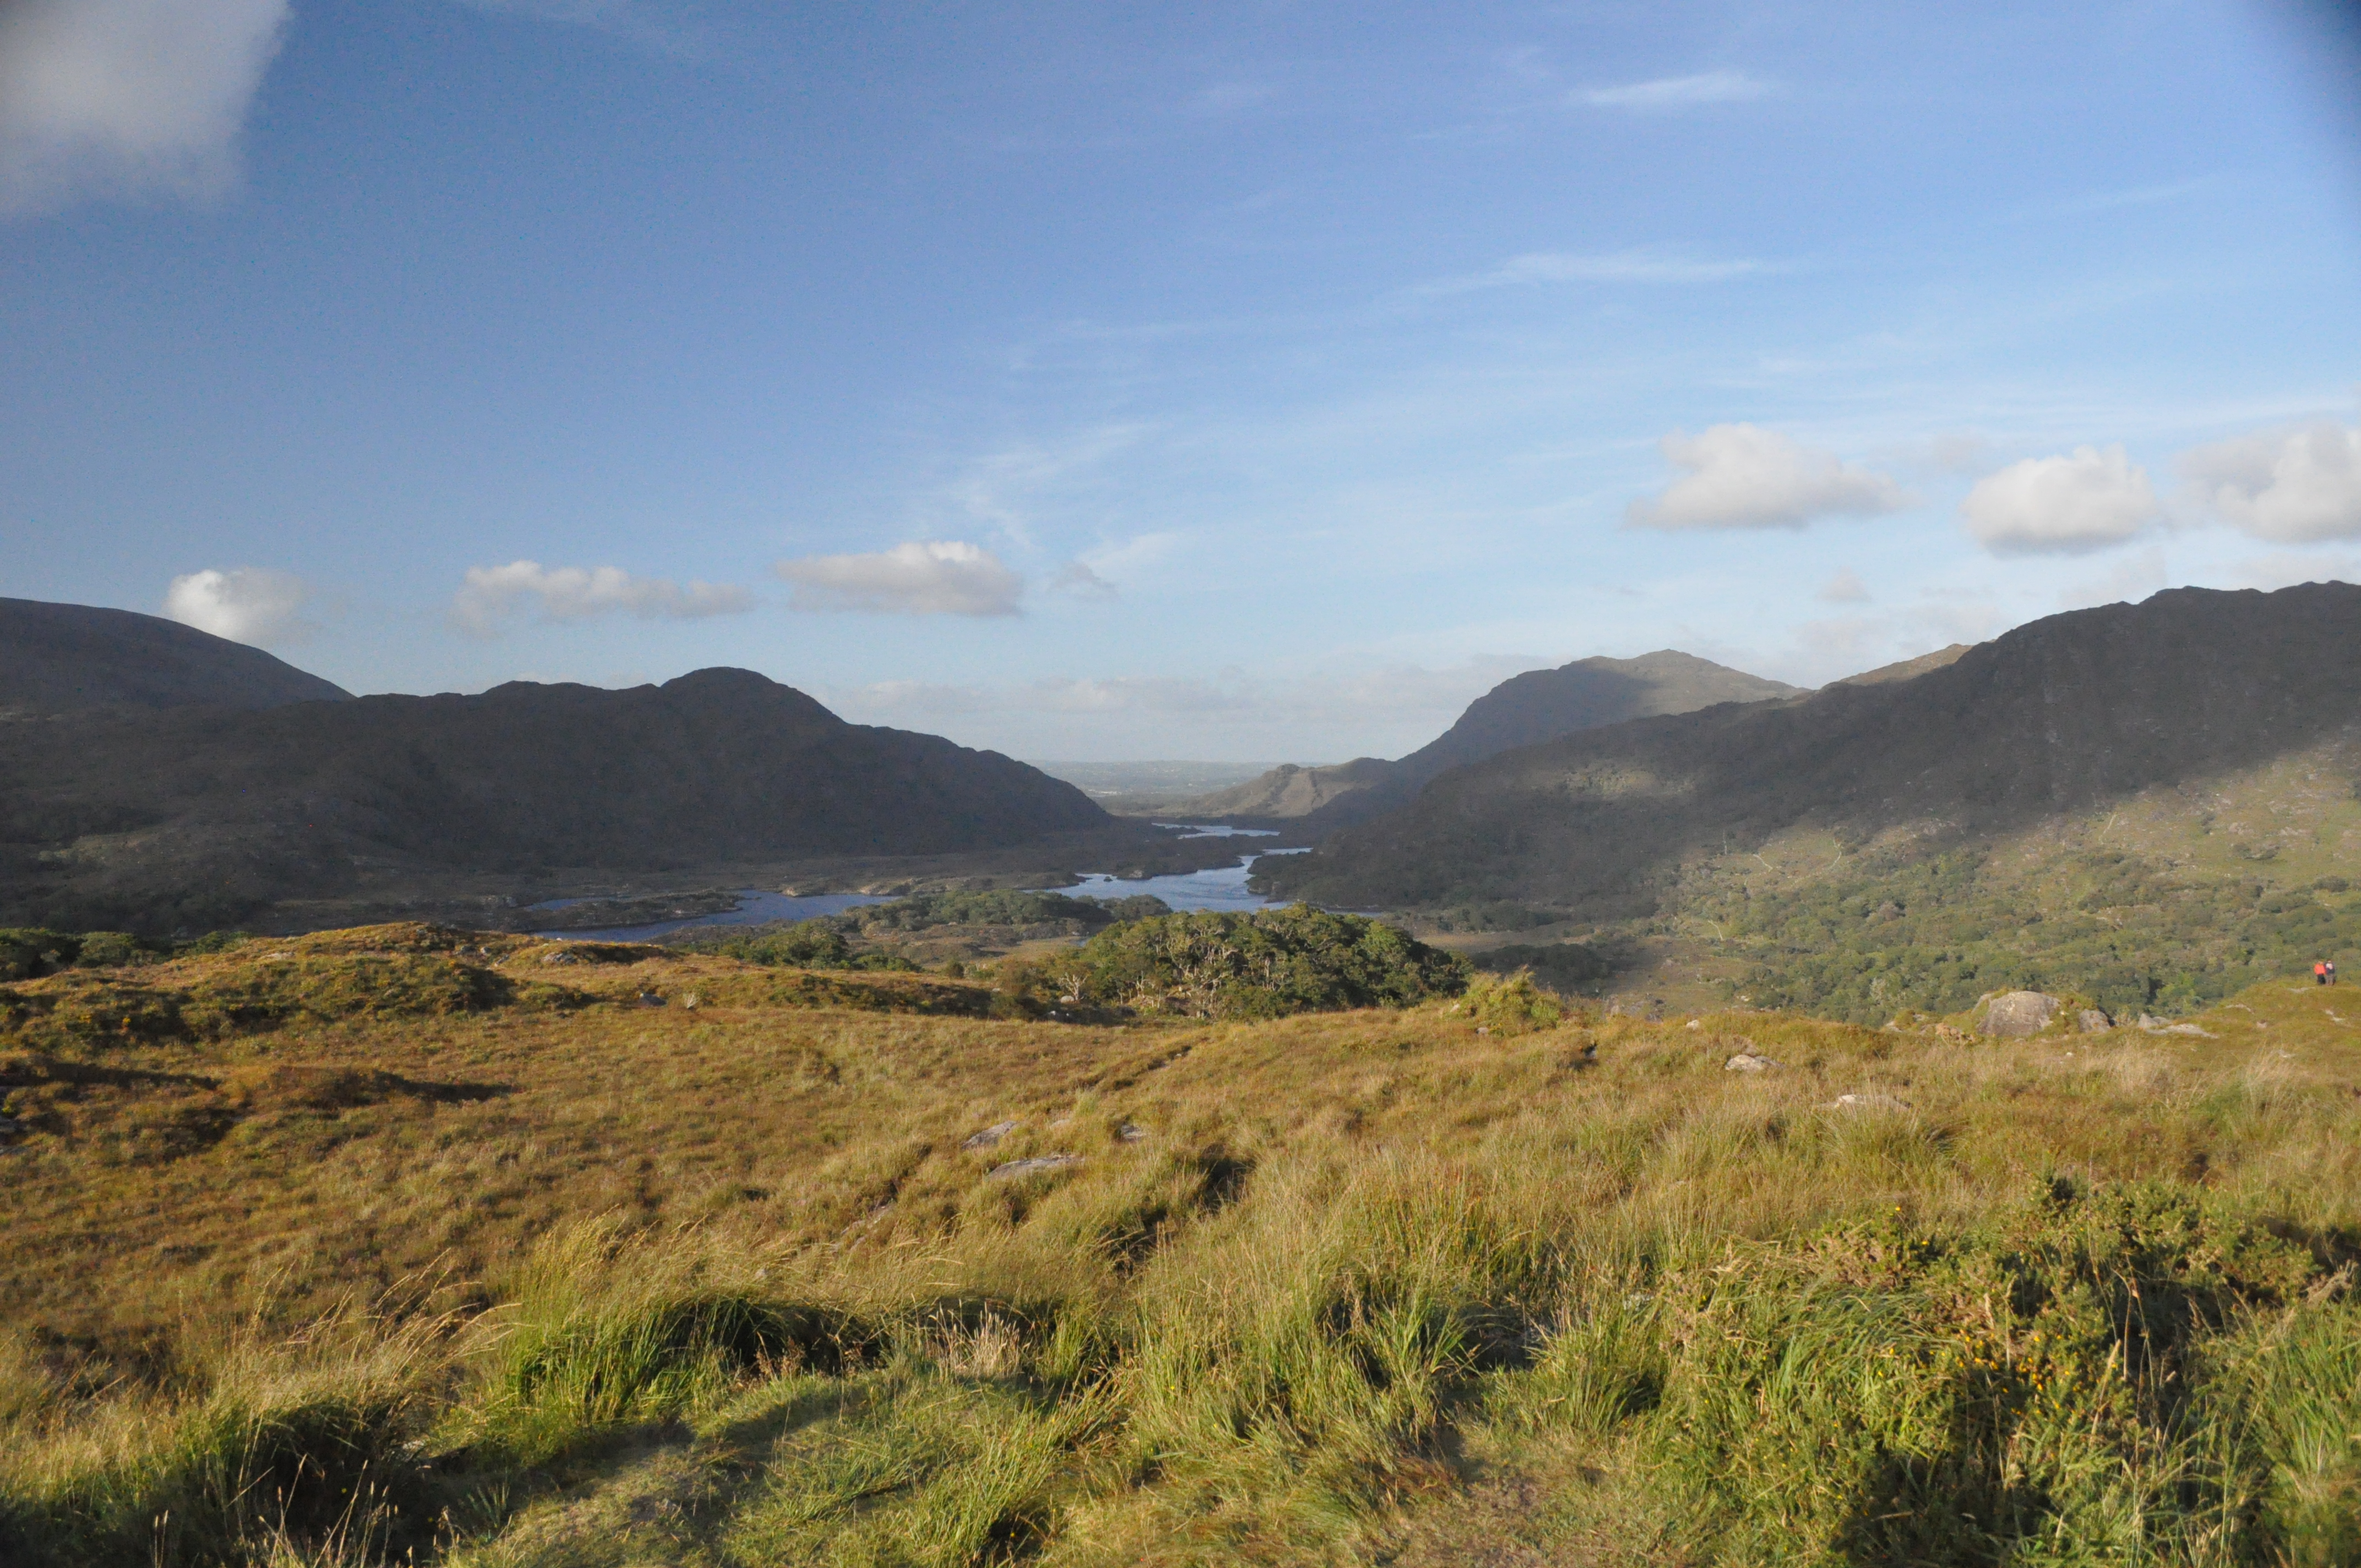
<point x="1742" y="476"/>
<point x="494" y="596"/>
<point x="247" y="604"/>
<point x="932" y="577"/>
<point x="2293" y="486"/>
<point x="127" y="95"/>
<point x="2088" y="499"/>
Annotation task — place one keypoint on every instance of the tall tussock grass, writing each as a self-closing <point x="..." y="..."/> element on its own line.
<point x="1320" y="1292"/>
<point x="285" y="1447"/>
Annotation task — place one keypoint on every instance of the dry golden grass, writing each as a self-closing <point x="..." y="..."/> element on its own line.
<point x="1273" y="1195"/>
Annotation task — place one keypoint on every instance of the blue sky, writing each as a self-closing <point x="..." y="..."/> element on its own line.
<point x="1257" y="381"/>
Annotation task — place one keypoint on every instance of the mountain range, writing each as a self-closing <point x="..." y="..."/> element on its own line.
<point x="220" y="784"/>
<point x="2056" y="717"/>
<point x="1537" y="706"/>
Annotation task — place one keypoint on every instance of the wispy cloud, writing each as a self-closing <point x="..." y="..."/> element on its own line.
<point x="2117" y="200"/>
<point x="127" y="97"/>
<point x="1642" y="264"/>
<point x="632" y="21"/>
<point x="1003" y="489"/>
<point x="1679" y="92"/>
<point x="929" y="577"/>
<point x="492" y="597"/>
<point x="1230" y="98"/>
<point x="1075" y="577"/>
<point x="1845" y="587"/>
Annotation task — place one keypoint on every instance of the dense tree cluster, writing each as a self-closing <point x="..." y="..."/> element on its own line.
<point x="1260" y="965"/>
<point x="1937" y="935"/>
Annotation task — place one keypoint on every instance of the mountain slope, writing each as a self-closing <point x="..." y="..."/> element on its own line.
<point x="1536" y="706"/>
<point x="199" y="816"/>
<point x="57" y="658"/>
<point x="2052" y="718"/>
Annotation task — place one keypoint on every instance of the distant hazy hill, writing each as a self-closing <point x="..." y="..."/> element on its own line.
<point x="196" y="815"/>
<point x="1289" y="790"/>
<point x="1539" y="705"/>
<point x="2052" y="718"/>
<point x="58" y="657"/>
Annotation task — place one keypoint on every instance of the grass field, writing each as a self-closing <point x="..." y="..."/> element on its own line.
<point x="407" y="1245"/>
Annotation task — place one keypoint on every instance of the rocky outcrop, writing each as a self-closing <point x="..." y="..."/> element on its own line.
<point x="2017" y="1014"/>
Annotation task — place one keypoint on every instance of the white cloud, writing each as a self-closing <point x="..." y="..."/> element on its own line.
<point x="1845" y="587"/>
<point x="2088" y="500"/>
<point x="245" y="605"/>
<point x="1644" y="264"/>
<point x="2294" y="486"/>
<point x="127" y="95"/>
<point x="937" y="577"/>
<point x="1742" y="476"/>
<point x="492" y="596"/>
<point x="1679" y="92"/>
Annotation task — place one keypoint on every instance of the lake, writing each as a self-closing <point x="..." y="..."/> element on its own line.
<point x="1224" y="887"/>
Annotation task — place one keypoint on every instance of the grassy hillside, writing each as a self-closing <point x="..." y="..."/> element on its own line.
<point x="2060" y="716"/>
<point x="412" y="1244"/>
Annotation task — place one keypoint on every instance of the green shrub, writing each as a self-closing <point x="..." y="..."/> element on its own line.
<point x="1263" y="965"/>
<point x="1511" y="1005"/>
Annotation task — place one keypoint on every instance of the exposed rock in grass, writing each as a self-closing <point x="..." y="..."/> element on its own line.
<point x="990" y="1135"/>
<point x="2017" y="1014"/>
<point x="1038" y="1163"/>
<point x="1747" y="1061"/>
<point x="1872" y="1102"/>
<point x="2095" y="1022"/>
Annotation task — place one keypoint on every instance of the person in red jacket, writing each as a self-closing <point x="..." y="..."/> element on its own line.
<point x="2320" y="972"/>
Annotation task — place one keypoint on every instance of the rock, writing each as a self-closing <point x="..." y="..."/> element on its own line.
<point x="1038" y="1162"/>
<point x="1694" y="1024"/>
<point x="990" y="1135"/>
<point x="1869" y="1102"/>
<point x="1131" y="1134"/>
<point x="650" y="999"/>
<point x="560" y="956"/>
<point x="2093" y="1021"/>
<point x="2018" y="1013"/>
<point x="1747" y="1061"/>
<point x="2158" y="1026"/>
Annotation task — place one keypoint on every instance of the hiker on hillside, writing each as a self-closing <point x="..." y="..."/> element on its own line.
<point x="2320" y="972"/>
<point x="2331" y="967"/>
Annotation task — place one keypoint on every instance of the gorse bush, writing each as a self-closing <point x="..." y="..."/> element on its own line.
<point x="1510" y="1003"/>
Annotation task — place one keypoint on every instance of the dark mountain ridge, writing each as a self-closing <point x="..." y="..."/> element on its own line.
<point x="2052" y="718"/>
<point x="57" y="658"/>
<point x="201" y="815"/>
<point x="1522" y="710"/>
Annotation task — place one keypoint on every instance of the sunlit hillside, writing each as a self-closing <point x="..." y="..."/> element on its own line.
<point x="409" y="1245"/>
